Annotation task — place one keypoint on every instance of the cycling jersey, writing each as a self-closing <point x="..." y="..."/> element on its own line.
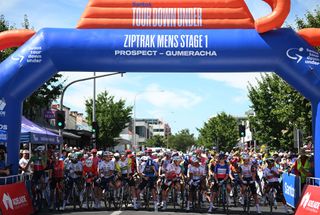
<point x="39" y="162"/>
<point x="246" y="171"/>
<point x="72" y="168"/>
<point x="164" y="163"/>
<point x="58" y="169"/>
<point x="221" y="171"/>
<point x="197" y="172"/>
<point x="174" y="170"/>
<point x="106" y="168"/>
<point x="267" y="173"/>
<point x="148" y="168"/>
<point x="124" y="166"/>
<point x="90" y="170"/>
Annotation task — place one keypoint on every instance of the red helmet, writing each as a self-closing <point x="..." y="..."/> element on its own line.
<point x="149" y="150"/>
<point x="94" y="151"/>
<point x="128" y="151"/>
<point x="234" y="161"/>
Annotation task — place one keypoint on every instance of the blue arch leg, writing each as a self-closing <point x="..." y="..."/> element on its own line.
<point x="316" y="136"/>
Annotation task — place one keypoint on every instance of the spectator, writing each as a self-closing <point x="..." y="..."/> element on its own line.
<point x="23" y="162"/>
<point x="302" y="167"/>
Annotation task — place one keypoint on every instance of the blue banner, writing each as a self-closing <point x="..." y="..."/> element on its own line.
<point x="291" y="188"/>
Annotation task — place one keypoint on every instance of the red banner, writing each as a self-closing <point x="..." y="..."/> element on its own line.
<point x="15" y="200"/>
<point x="310" y="201"/>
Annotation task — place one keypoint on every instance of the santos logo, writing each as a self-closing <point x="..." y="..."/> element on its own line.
<point x="16" y="202"/>
<point x="309" y="204"/>
<point x="7" y="201"/>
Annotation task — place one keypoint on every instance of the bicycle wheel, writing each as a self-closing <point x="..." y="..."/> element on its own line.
<point x="105" y="199"/>
<point x="90" y="197"/>
<point x="199" y="198"/>
<point x="74" y="197"/>
<point x="147" y="198"/>
<point x="271" y="200"/>
<point x="235" y="195"/>
<point x="173" y="197"/>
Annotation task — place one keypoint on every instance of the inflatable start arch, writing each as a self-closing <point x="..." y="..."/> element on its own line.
<point x="159" y="36"/>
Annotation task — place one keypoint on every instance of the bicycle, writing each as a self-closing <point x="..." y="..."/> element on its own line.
<point x="271" y="198"/>
<point x="223" y="196"/>
<point x="125" y="195"/>
<point x="74" y="196"/>
<point x="109" y="198"/>
<point x="247" y="197"/>
<point x="235" y="192"/>
<point x="89" y="196"/>
<point x="196" y="194"/>
<point x="58" y="195"/>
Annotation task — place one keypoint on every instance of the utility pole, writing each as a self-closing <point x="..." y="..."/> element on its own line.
<point x="94" y="137"/>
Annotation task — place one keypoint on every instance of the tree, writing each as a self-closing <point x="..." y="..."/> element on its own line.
<point x="156" y="141"/>
<point x="112" y="117"/>
<point x="220" y="131"/>
<point x="181" y="141"/>
<point x="278" y="107"/>
<point x="41" y="99"/>
<point x="278" y="110"/>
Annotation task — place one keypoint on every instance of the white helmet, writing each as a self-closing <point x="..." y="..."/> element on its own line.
<point x="176" y="158"/>
<point x="245" y="157"/>
<point x="89" y="163"/>
<point x="144" y="158"/>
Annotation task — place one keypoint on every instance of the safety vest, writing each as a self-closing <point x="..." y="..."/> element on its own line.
<point x="306" y="166"/>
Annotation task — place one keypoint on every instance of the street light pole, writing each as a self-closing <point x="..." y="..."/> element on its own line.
<point x="134" y="116"/>
<point x="94" y="109"/>
<point x="79" y="80"/>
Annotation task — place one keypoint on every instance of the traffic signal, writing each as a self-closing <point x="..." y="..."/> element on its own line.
<point x="95" y="127"/>
<point x="242" y="130"/>
<point x="60" y="119"/>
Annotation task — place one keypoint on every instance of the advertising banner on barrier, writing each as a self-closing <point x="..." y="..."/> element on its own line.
<point x="14" y="199"/>
<point x="291" y="189"/>
<point x="310" y="201"/>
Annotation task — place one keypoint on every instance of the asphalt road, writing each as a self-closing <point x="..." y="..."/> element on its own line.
<point x="169" y="211"/>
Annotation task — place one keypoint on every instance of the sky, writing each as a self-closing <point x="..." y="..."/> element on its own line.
<point x="183" y="100"/>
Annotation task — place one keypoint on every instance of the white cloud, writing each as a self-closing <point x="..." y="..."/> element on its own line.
<point x="241" y="99"/>
<point x="170" y="99"/>
<point x="236" y="80"/>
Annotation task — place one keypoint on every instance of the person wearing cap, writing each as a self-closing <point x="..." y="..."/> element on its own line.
<point x="302" y="167"/>
<point x="196" y="174"/>
<point x="74" y="173"/>
<point x="23" y="162"/>
<point x="221" y="175"/>
<point x="148" y="172"/>
<point x="38" y="163"/>
<point x="248" y="178"/>
<point x="272" y="175"/>
<point x="172" y="176"/>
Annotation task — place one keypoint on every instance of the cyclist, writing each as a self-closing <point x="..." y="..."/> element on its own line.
<point x="248" y="177"/>
<point x="124" y="169"/>
<point x="172" y="176"/>
<point x="74" y="174"/>
<point x="106" y="172"/>
<point x="148" y="172"/>
<point x="234" y="174"/>
<point x="196" y="175"/>
<point x="90" y="173"/>
<point x="221" y="175"/>
<point x="271" y="174"/>
<point x="57" y="176"/>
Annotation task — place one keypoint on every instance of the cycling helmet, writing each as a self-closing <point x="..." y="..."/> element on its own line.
<point x="85" y="156"/>
<point x="270" y="160"/>
<point x="89" y="163"/>
<point x="93" y="151"/>
<point x="176" y="158"/>
<point x="74" y="157"/>
<point x="128" y="151"/>
<point x="116" y="155"/>
<point x="254" y="161"/>
<point x="149" y="150"/>
<point x="234" y="161"/>
<point x="107" y="153"/>
<point x="221" y="155"/>
<point x="245" y="157"/>
<point x="40" y="149"/>
<point x="144" y="158"/>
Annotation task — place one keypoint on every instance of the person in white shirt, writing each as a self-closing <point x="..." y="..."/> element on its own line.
<point x="271" y="175"/>
<point x="196" y="174"/>
<point x="172" y="178"/>
<point x="23" y="162"/>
